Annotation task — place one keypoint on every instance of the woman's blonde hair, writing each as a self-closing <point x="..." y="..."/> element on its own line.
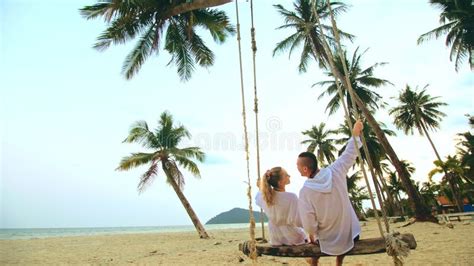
<point x="269" y="183"/>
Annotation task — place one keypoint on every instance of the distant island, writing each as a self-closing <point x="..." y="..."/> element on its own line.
<point x="236" y="215"/>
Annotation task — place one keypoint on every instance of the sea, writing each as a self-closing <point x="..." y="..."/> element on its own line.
<point x="33" y="233"/>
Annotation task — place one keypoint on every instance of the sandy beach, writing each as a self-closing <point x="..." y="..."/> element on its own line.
<point x="437" y="245"/>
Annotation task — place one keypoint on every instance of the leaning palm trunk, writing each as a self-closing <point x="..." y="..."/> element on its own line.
<point x="422" y="212"/>
<point x="197" y="224"/>
<point x="451" y="181"/>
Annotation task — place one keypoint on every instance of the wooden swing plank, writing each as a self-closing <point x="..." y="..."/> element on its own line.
<point x="361" y="247"/>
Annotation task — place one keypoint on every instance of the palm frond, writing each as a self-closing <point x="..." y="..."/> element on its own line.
<point x="179" y="48"/>
<point x="189" y="152"/>
<point x="188" y="165"/>
<point x="147" y="178"/>
<point x="142" y="50"/>
<point x="140" y="133"/>
<point x="216" y="22"/>
<point x="436" y="33"/>
<point x="135" y="160"/>
<point x="202" y="54"/>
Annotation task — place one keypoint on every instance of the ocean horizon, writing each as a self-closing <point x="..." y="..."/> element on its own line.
<point x="33" y="233"/>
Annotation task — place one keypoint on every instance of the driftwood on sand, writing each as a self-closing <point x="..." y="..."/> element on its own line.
<point x="361" y="247"/>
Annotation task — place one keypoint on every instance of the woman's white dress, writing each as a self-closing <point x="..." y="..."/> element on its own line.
<point x="284" y="223"/>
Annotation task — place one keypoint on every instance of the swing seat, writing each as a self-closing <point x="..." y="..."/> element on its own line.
<point x="361" y="247"/>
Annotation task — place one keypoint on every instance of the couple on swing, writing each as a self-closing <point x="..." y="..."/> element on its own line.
<point x="322" y="210"/>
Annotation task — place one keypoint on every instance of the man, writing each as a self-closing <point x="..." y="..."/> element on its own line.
<point x="326" y="212"/>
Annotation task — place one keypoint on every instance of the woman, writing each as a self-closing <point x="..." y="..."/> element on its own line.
<point x="281" y="208"/>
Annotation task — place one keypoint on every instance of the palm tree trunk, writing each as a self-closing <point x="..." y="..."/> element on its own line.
<point x="452" y="186"/>
<point x="187" y="206"/>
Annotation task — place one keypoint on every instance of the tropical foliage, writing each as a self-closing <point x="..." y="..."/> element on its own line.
<point x="362" y="80"/>
<point x="306" y="31"/>
<point x="457" y="19"/>
<point x="151" y="24"/>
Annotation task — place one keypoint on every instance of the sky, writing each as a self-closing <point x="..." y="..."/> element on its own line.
<point x="66" y="108"/>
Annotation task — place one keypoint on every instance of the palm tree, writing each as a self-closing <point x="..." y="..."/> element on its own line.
<point x="147" y="20"/>
<point x="319" y="140"/>
<point x="429" y="191"/>
<point x="394" y="187"/>
<point x="465" y="151"/>
<point x="457" y="17"/>
<point x="362" y="80"/>
<point x="163" y="142"/>
<point x="303" y="21"/>
<point x="308" y="31"/>
<point x="453" y="174"/>
<point x="419" y="110"/>
<point x="357" y="194"/>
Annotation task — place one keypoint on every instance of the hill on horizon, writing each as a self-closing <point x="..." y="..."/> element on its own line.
<point x="236" y="215"/>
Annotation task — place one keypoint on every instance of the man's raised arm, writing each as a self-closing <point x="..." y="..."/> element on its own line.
<point x="347" y="159"/>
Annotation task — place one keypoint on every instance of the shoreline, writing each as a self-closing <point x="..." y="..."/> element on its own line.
<point x="437" y="244"/>
<point x="40" y="233"/>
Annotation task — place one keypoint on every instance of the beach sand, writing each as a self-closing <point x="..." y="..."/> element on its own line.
<point x="437" y="245"/>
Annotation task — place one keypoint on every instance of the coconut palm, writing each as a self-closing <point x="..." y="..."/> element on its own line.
<point x="165" y="154"/>
<point x="395" y="186"/>
<point x="152" y="24"/>
<point x="457" y="19"/>
<point x="418" y="110"/>
<point x="429" y="191"/>
<point x="465" y="151"/>
<point x="357" y="194"/>
<point x="320" y="142"/>
<point x="453" y="175"/>
<point x="307" y="33"/>
<point x="362" y="80"/>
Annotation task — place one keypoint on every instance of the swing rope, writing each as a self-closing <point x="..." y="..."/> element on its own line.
<point x="253" y="250"/>
<point x="255" y="109"/>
